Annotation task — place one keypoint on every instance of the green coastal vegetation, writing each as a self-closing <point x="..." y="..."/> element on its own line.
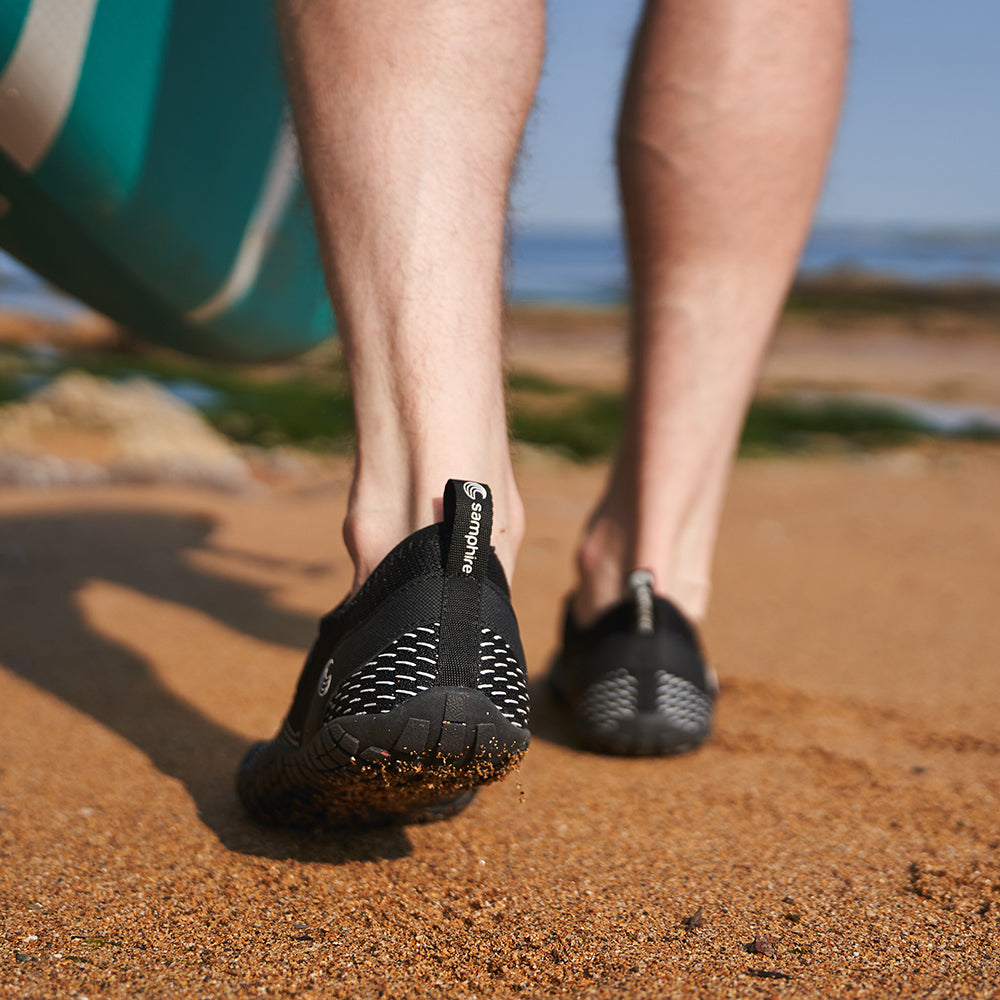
<point x="845" y="296"/>
<point x="306" y="403"/>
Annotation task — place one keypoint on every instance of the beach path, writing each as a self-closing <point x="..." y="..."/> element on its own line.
<point x="844" y="816"/>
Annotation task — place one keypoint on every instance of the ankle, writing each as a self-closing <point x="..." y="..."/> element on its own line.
<point x="370" y="533"/>
<point x="605" y="558"/>
<point x="601" y="567"/>
<point x="374" y="525"/>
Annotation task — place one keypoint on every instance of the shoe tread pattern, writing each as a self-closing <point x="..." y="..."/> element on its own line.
<point x="418" y="761"/>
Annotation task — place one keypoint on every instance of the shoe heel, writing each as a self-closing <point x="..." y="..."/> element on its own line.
<point x="458" y="731"/>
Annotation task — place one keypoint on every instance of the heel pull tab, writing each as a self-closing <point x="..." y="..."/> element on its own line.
<point x="468" y="523"/>
<point x="468" y="516"/>
<point x="640" y="585"/>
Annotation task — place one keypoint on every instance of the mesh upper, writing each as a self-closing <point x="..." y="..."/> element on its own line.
<point x="408" y="666"/>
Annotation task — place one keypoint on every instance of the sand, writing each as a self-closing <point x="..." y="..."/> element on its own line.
<point x="838" y="836"/>
<point x="945" y="361"/>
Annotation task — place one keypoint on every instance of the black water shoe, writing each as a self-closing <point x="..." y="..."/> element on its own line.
<point x="414" y="693"/>
<point x="635" y="682"/>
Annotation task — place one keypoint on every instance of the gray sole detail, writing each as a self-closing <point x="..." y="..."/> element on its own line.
<point x="644" y="735"/>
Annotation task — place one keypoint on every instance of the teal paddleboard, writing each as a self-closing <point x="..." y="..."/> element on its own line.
<point x="148" y="167"/>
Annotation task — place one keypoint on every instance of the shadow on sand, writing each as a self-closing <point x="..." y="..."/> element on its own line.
<point x="549" y="721"/>
<point x="46" y="559"/>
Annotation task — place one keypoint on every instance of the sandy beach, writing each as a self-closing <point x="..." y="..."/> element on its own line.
<point x="838" y="836"/>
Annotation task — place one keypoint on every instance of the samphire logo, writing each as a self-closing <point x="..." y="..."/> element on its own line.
<point x="325" y="679"/>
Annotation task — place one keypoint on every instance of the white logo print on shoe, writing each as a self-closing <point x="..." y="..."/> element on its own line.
<point x="475" y="491"/>
<point x="325" y="679"/>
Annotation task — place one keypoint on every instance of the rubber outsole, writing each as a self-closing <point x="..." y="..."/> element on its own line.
<point x="421" y="761"/>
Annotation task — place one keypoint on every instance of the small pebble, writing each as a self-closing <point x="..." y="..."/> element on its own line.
<point x="761" y="945"/>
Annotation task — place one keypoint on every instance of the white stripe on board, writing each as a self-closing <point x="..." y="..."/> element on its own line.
<point x="39" y="83"/>
<point x="279" y="183"/>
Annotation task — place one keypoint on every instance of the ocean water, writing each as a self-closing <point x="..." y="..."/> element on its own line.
<point x="588" y="268"/>
<point x="24" y="292"/>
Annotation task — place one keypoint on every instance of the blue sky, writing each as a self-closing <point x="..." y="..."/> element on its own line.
<point x="919" y="141"/>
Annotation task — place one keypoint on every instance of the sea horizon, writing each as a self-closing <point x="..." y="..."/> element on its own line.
<point x="585" y="266"/>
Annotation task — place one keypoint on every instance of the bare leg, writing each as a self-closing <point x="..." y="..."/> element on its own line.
<point x="727" y="120"/>
<point x="410" y="113"/>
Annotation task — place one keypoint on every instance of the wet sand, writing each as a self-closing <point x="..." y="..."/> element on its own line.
<point x="845" y="815"/>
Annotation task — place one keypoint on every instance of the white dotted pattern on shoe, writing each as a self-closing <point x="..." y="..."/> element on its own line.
<point x="501" y="678"/>
<point x="409" y="666"/>
<point x="681" y="702"/>
<point x="401" y="670"/>
<point x="610" y="700"/>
